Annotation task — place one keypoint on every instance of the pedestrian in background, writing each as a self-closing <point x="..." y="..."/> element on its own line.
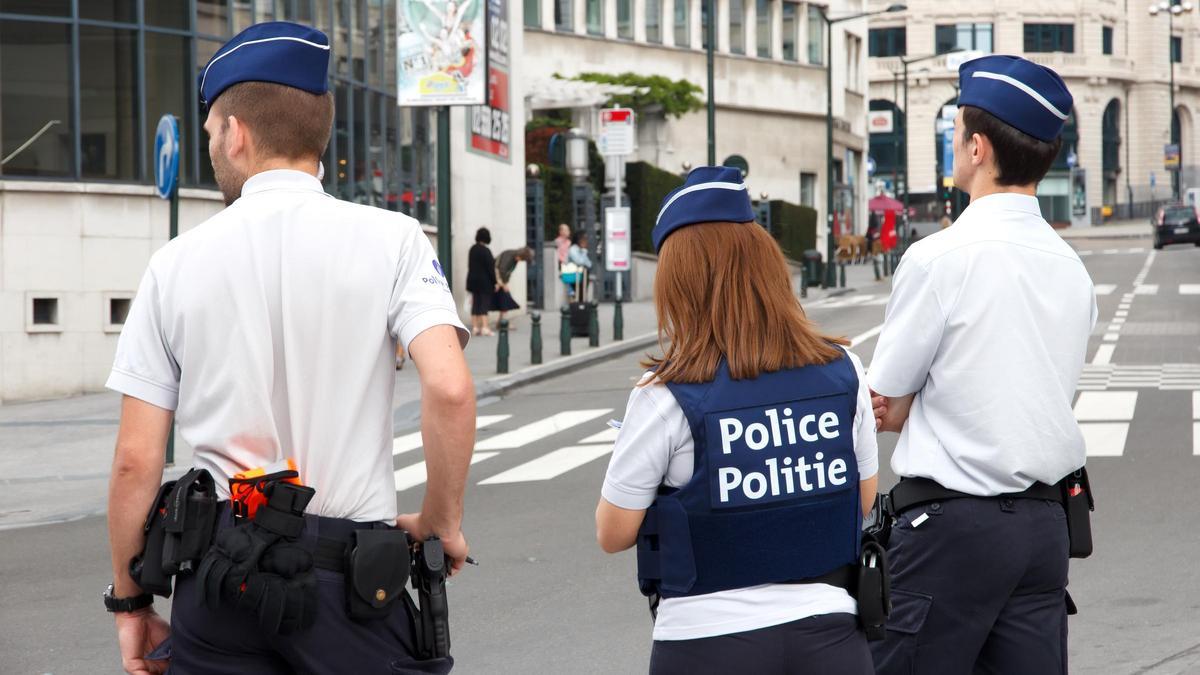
<point x="984" y="341"/>
<point x="578" y="262"/>
<point x="481" y="281"/>
<point x="751" y="579"/>
<point x="562" y="243"/>
<point x="505" y="264"/>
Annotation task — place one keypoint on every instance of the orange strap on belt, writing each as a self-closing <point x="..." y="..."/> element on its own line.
<point x="246" y="489"/>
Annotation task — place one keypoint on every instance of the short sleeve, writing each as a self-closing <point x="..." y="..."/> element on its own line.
<point x="866" y="443"/>
<point x="912" y="332"/>
<point x="144" y="367"/>
<point x="641" y="454"/>
<point x="421" y="297"/>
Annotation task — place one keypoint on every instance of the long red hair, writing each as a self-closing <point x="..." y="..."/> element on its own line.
<point x="723" y="290"/>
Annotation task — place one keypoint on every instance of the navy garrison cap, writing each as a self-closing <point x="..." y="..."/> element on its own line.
<point x="276" y="51"/>
<point x="710" y="194"/>
<point x="1022" y="94"/>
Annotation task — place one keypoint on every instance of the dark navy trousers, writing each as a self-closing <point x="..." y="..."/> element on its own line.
<point x="224" y="640"/>
<point x="978" y="586"/>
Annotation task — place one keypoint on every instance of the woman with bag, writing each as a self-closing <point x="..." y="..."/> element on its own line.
<point x="578" y="261"/>
<point x="481" y="281"/>
<point x="746" y="459"/>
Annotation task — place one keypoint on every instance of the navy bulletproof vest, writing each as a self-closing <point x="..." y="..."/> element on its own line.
<point x="774" y="494"/>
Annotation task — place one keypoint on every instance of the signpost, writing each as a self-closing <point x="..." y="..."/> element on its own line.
<point x="618" y="137"/>
<point x="166" y="184"/>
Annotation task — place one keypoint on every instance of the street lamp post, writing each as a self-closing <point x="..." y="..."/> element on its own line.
<point x="711" y="34"/>
<point x="830" y="275"/>
<point x="1172" y="10"/>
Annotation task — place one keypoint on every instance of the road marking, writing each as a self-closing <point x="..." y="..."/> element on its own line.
<point x="412" y="441"/>
<point x="550" y="465"/>
<point x="1146" y="289"/>
<point x="536" y="431"/>
<point x="1118" y="320"/>
<point x="1105" y="289"/>
<point x="1109" y="251"/>
<point x="1104" y="439"/>
<point x="414" y="474"/>
<point x="609" y="435"/>
<point x="1111" y="337"/>
<point x="863" y="337"/>
<point x="1189" y="289"/>
<point x="1122" y="313"/>
<point x="1196" y="423"/>
<point x="1105" y="406"/>
<point x="1103" y="355"/>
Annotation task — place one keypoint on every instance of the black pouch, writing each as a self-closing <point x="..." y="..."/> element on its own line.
<point x="874" y="591"/>
<point x="146" y="568"/>
<point x="1078" y="503"/>
<point x="377" y="567"/>
<point x="191" y="513"/>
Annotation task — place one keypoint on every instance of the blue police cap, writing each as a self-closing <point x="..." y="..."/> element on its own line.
<point x="276" y="51"/>
<point x="710" y="194"/>
<point x="1020" y="93"/>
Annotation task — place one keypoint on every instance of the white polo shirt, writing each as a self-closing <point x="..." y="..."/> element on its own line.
<point x="270" y="329"/>
<point x="988" y="323"/>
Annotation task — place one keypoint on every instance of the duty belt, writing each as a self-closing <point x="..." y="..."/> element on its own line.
<point x="910" y="492"/>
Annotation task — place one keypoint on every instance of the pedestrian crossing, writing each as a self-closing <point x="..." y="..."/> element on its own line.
<point x="876" y="299"/>
<point x="1111" y="251"/>
<point x="1106" y="417"/>
<point x="1099" y="375"/>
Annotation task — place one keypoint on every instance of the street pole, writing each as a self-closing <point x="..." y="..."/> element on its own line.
<point x="830" y="252"/>
<point x="1171" y="98"/>
<point x="445" y="250"/>
<point x="711" y="29"/>
<point x="895" y="139"/>
<point x="172" y="232"/>
<point x="904" y="216"/>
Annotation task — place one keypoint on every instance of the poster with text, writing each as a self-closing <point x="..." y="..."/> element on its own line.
<point x="440" y="49"/>
<point x="491" y="123"/>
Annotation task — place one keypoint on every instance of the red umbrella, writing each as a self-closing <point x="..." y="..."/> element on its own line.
<point x="884" y="203"/>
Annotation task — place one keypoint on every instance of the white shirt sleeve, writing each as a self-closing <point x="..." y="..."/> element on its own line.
<point x="642" y="455"/>
<point x="144" y="367"/>
<point x="912" y="332"/>
<point x="866" y="443"/>
<point x="421" y="297"/>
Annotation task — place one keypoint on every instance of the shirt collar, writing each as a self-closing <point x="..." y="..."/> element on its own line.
<point x="1007" y="201"/>
<point x="281" y="179"/>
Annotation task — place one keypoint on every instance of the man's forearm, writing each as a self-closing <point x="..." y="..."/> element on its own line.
<point x="130" y="491"/>
<point x="448" y="431"/>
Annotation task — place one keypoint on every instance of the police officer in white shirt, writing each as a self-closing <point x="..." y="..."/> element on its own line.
<point x="984" y="339"/>
<point x="268" y="332"/>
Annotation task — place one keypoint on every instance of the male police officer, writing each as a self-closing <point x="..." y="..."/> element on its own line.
<point x="983" y="343"/>
<point x="269" y="331"/>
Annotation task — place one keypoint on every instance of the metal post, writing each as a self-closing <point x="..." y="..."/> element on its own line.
<point x="173" y="232"/>
<point x="444" y="241"/>
<point x="903" y="220"/>
<point x="875" y="266"/>
<point x="712" y="105"/>
<point x="535" y="338"/>
<point x="593" y="325"/>
<point x="618" y="317"/>
<point x="829" y="273"/>
<point x="841" y="275"/>
<point x="564" y="332"/>
<point x="502" y="348"/>
<point x="895" y="139"/>
<point x="1171" y="98"/>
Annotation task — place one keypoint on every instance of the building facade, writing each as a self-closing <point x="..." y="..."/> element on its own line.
<point x="1117" y="59"/>
<point x="82" y="86"/>
<point x="770" y="70"/>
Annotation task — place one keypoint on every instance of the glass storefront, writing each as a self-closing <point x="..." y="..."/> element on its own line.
<point x="82" y="86"/>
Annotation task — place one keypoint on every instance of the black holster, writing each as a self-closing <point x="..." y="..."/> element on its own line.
<point x="377" y="567"/>
<point x="874" y="590"/>
<point x="431" y="623"/>
<point x="1078" y="503"/>
<point x="178" y="531"/>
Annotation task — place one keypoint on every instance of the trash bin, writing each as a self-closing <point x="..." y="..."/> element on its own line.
<point x="812" y="267"/>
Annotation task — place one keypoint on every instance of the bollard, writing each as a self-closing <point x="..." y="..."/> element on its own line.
<point x="564" y="333"/>
<point x="886" y="271"/>
<point x="618" y="321"/>
<point x="804" y="285"/>
<point x="535" y="338"/>
<point x="842" y="275"/>
<point x="593" y="325"/>
<point x="502" y="348"/>
<point x="875" y="267"/>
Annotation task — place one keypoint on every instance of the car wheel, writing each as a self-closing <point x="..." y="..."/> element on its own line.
<point x="1157" y="244"/>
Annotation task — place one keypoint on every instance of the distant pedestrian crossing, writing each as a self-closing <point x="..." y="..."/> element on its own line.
<point x="876" y="299"/>
<point x="1108" y="422"/>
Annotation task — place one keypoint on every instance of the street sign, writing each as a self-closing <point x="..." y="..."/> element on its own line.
<point x="618" y="132"/>
<point x="1072" y="159"/>
<point x="616" y="239"/>
<point x="1171" y="157"/>
<point x="870" y="166"/>
<point x="166" y="156"/>
<point x="954" y="60"/>
<point x="880" y="122"/>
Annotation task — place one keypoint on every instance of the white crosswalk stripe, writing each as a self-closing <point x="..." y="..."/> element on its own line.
<point x="1099" y="375"/>
<point x="1104" y="420"/>
<point x="1105" y="289"/>
<point x="550" y="465"/>
<point x="414" y="474"/>
<point x="412" y="441"/>
<point x="1189" y="289"/>
<point x="1196" y="423"/>
<point x="609" y="435"/>
<point x="1145" y="289"/>
<point x="536" y="431"/>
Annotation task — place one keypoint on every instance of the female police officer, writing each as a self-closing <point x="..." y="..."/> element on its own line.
<point x="746" y="458"/>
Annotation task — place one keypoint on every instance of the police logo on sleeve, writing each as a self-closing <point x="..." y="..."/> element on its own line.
<point x="784" y="452"/>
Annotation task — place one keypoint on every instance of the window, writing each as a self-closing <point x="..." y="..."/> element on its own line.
<point x="595" y="17"/>
<point x="886" y="41"/>
<point x="653" y="21"/>
<point x="965" y="36"/>
<point x="816" y="36"/>
<point x="1106" y="40"/>
<point x="808" y="189"/>
<point x="117" y="311"/>
<point x="853" y="50"/>
<point x="1176" y="49"/>
<point x="106" y="10"/>
<point x="737" y="26"/>
<point x="762" y="19"/>
<point x="35" y="69"/>
<point x="49" y="7"/>
<point x="790" y="26"/>
<point x="563" y="19"/>
<point x="625" y="19"/>
<point x="43" y="315"/>
<point x="682" y="34"/>
<point x="1049" y="37"/>
<point x="175" y="13"/>
<point x="168" y="81"/>
<point x="108" y="103"/>
<point x="533" y="14"/>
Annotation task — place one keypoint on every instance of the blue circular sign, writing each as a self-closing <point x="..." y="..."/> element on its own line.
<point x="166" y="156"/>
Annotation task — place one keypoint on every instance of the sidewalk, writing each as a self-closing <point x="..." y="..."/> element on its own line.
<point x="1117" y="229"/>
<point x="55" y="455"/>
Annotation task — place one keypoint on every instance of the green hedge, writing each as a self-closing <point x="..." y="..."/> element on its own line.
<point x="647" y="186"/>
<point x="794" y="227"/>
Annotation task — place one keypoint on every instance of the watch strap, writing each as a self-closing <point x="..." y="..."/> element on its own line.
<point x="131" y="604"/>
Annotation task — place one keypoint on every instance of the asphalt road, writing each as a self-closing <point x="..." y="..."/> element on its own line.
<point x="545" y="598"/>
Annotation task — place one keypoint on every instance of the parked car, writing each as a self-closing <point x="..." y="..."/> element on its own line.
<point x="1176" y="224"/>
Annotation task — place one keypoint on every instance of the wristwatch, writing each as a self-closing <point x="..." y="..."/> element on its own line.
<point x="126" y="604"/>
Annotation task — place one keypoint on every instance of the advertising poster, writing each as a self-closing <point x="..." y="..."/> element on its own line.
<point x="440" y="49"/>
<point x="491" y="123"/>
